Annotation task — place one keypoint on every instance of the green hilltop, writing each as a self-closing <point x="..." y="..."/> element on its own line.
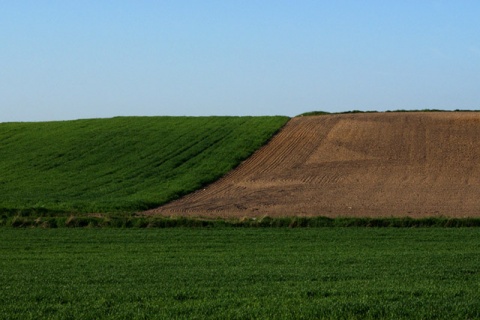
<point x="122" y="164"/>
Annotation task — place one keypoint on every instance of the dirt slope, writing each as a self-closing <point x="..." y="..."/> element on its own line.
<point x="379" y="164"/>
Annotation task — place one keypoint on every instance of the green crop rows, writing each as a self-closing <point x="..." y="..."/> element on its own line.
<point x="240" y="273"/>
<point x="121" y="164"/>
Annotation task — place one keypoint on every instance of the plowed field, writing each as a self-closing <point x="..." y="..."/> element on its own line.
<point x="355" y="165"/>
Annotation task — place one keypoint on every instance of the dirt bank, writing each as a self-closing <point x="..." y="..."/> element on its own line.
<point x="371" y="165"/>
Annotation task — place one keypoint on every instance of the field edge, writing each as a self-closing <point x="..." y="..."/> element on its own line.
<point x="140" y="222"/>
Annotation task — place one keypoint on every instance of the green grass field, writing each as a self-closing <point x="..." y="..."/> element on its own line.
<point x="240" y="273"/>
<point x="121" y="164"/>
<point x="122" y="266"/>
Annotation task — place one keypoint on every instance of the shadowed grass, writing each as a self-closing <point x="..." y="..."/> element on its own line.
<point x="133" y="221"/>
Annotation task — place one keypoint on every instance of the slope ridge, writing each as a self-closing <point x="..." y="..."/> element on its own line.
<point x="370" y="165"/>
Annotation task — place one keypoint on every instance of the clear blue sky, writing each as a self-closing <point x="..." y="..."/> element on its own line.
<point x="88" y="59"/>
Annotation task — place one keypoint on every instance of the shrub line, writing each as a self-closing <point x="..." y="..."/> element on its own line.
<point x="134" y="221"/>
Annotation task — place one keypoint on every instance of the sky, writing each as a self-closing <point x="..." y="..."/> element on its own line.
<point x="67" y="59"/>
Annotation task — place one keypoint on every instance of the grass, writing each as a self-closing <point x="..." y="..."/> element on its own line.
<point x="240" y="273"/>
<point x="29" y="220"/>
<point x="121" y="164"/>
<point x="321" y="113"/>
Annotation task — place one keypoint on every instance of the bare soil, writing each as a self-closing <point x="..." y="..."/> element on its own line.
<point x="354" y="165"/>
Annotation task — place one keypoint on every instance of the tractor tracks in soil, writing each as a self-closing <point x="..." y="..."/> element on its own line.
<point x="369" y="165"/>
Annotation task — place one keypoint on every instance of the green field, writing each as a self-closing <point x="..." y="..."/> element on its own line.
<point x="121" y="164"/>
<point x="240" y="273"/>
<point x="121" y="266"/>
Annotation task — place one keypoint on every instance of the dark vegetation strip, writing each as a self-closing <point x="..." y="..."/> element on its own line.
<point x="321" y="113"/>
<point x="123" y="164"/>
<point x="131" y="221"/>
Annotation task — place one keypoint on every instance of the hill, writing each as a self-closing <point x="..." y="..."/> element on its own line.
<point x="420" y="164"/>
<point x="122" y="164"/>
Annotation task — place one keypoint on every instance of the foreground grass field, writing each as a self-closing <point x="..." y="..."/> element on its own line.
<point x="240" y="273"/>
<point x="121" y="164"/>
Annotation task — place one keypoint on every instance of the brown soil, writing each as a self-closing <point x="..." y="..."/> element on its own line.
<point x="368" y="165"/>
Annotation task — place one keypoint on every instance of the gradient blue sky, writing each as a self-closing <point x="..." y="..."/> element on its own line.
<point x="88" y="59"/>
